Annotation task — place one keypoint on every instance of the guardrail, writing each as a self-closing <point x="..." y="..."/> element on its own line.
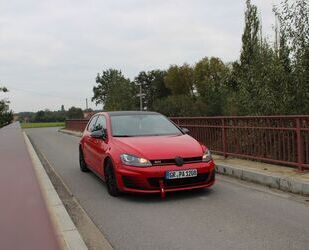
<point x="24" y="219"/>
<point x="274" y="139"/>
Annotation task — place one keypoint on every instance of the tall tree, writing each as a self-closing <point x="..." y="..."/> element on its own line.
<point x="250" y="37"/>
<point x="250" y="88"/>
<point x="280" y="77"/>
<point x="294" y="31"/>
<point x="114" y="91"/>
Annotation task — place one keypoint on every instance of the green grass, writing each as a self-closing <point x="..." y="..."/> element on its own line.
<point x="41" y="124"/>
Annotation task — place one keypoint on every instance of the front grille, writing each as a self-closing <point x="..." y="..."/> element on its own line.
<point x="179" y="182"/>
<point x="172" y="161"/>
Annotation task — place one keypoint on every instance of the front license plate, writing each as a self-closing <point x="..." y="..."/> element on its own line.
<point x="178" y="174"/>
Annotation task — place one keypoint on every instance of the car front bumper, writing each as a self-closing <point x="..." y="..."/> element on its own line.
<point x="152" y="179"/>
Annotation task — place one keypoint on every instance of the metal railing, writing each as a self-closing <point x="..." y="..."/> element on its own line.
<point x="76" y="124"/>
<point x="274" y="139"/>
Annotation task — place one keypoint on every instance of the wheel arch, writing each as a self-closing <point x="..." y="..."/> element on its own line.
<point x="105" y="161"/>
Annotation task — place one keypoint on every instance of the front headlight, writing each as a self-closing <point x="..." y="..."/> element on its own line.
<point x="207" y="156"/>
<point x="132" y="160"/>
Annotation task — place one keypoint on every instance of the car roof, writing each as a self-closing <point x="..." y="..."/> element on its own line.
<point x="120" y="113"/>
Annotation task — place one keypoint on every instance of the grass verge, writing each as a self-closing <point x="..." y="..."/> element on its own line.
<point x="42" y="124"/>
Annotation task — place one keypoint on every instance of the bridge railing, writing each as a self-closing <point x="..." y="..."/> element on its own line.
<point x="76" y="124"/>
<point x="274" y="139"/>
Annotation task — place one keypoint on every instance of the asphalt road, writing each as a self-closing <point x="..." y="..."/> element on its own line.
<point x="231" y="215"/>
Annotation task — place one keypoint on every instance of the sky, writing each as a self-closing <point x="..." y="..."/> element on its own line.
<point x="51" y="51"/>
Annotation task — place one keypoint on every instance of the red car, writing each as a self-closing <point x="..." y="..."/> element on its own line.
<point x="144" y="152"/>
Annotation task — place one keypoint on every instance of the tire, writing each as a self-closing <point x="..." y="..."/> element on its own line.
<point x="111" y="181"/>
<point x="82" y="163"/>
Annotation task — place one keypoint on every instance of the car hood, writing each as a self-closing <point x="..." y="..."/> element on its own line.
<point x="160" y="147"/>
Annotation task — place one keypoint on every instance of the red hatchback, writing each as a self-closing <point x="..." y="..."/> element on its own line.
<point x="144" y="152"/>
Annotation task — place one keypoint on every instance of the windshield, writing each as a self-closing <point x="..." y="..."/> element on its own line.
<point x="142" y="125"/>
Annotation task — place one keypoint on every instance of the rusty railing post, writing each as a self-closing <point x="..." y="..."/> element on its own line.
<point x="299" y="145"/>
<point x="224" y="138"/>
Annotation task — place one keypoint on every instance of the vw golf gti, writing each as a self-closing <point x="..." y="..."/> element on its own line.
<point x="144" y="152"/>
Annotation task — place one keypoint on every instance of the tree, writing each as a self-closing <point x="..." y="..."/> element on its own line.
<point x="294" y="24"/>
<point x="114" y="91"/>
<point x="39" y="116"/>
<point x="258" y="86"/>
<point x="275" y="80"/>
<point x="152" y="86"/>
<point x="294" y="33"/>
<point x="248" y="89"/>
<point x="250" y="37"/>
<point x="280" y="83"/>
<point x="75" y="113"/>
<point x="210" y="78"/>
<point x="180" y="105"/>
<point x="179" y="79"/>
<point x="6" y="115"/>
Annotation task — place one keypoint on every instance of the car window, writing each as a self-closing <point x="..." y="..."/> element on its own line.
<point x="92" y="123"/>
<point x="101" y="123"/>
<point x="142" y="125"/>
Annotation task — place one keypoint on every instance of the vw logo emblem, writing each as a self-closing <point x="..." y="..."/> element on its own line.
<point x="179" y="161"/>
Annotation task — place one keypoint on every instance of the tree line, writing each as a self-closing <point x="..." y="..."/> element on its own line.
<point x="6" y="115"/>
<point x="269" y="78"/>
<point x="52" y="116"/>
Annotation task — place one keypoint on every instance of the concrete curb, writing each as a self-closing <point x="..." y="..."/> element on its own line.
<point x="66" y="232"/>
<point x="284" y="183"/>
<point x="70" y="132"/>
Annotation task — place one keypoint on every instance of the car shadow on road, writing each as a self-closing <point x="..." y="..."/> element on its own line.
<point x="170" y="196"/>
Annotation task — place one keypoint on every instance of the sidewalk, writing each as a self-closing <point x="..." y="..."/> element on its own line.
<point x="274" y="176"/>
<point x="66" y="232"/>
<point x="25" y="221"/>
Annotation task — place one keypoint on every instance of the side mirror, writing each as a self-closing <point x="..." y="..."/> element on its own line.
<point x="99" y="134"/>
<point x="185" y="130"/>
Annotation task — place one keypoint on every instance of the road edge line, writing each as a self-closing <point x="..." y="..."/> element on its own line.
<point x="66" y="230"/>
